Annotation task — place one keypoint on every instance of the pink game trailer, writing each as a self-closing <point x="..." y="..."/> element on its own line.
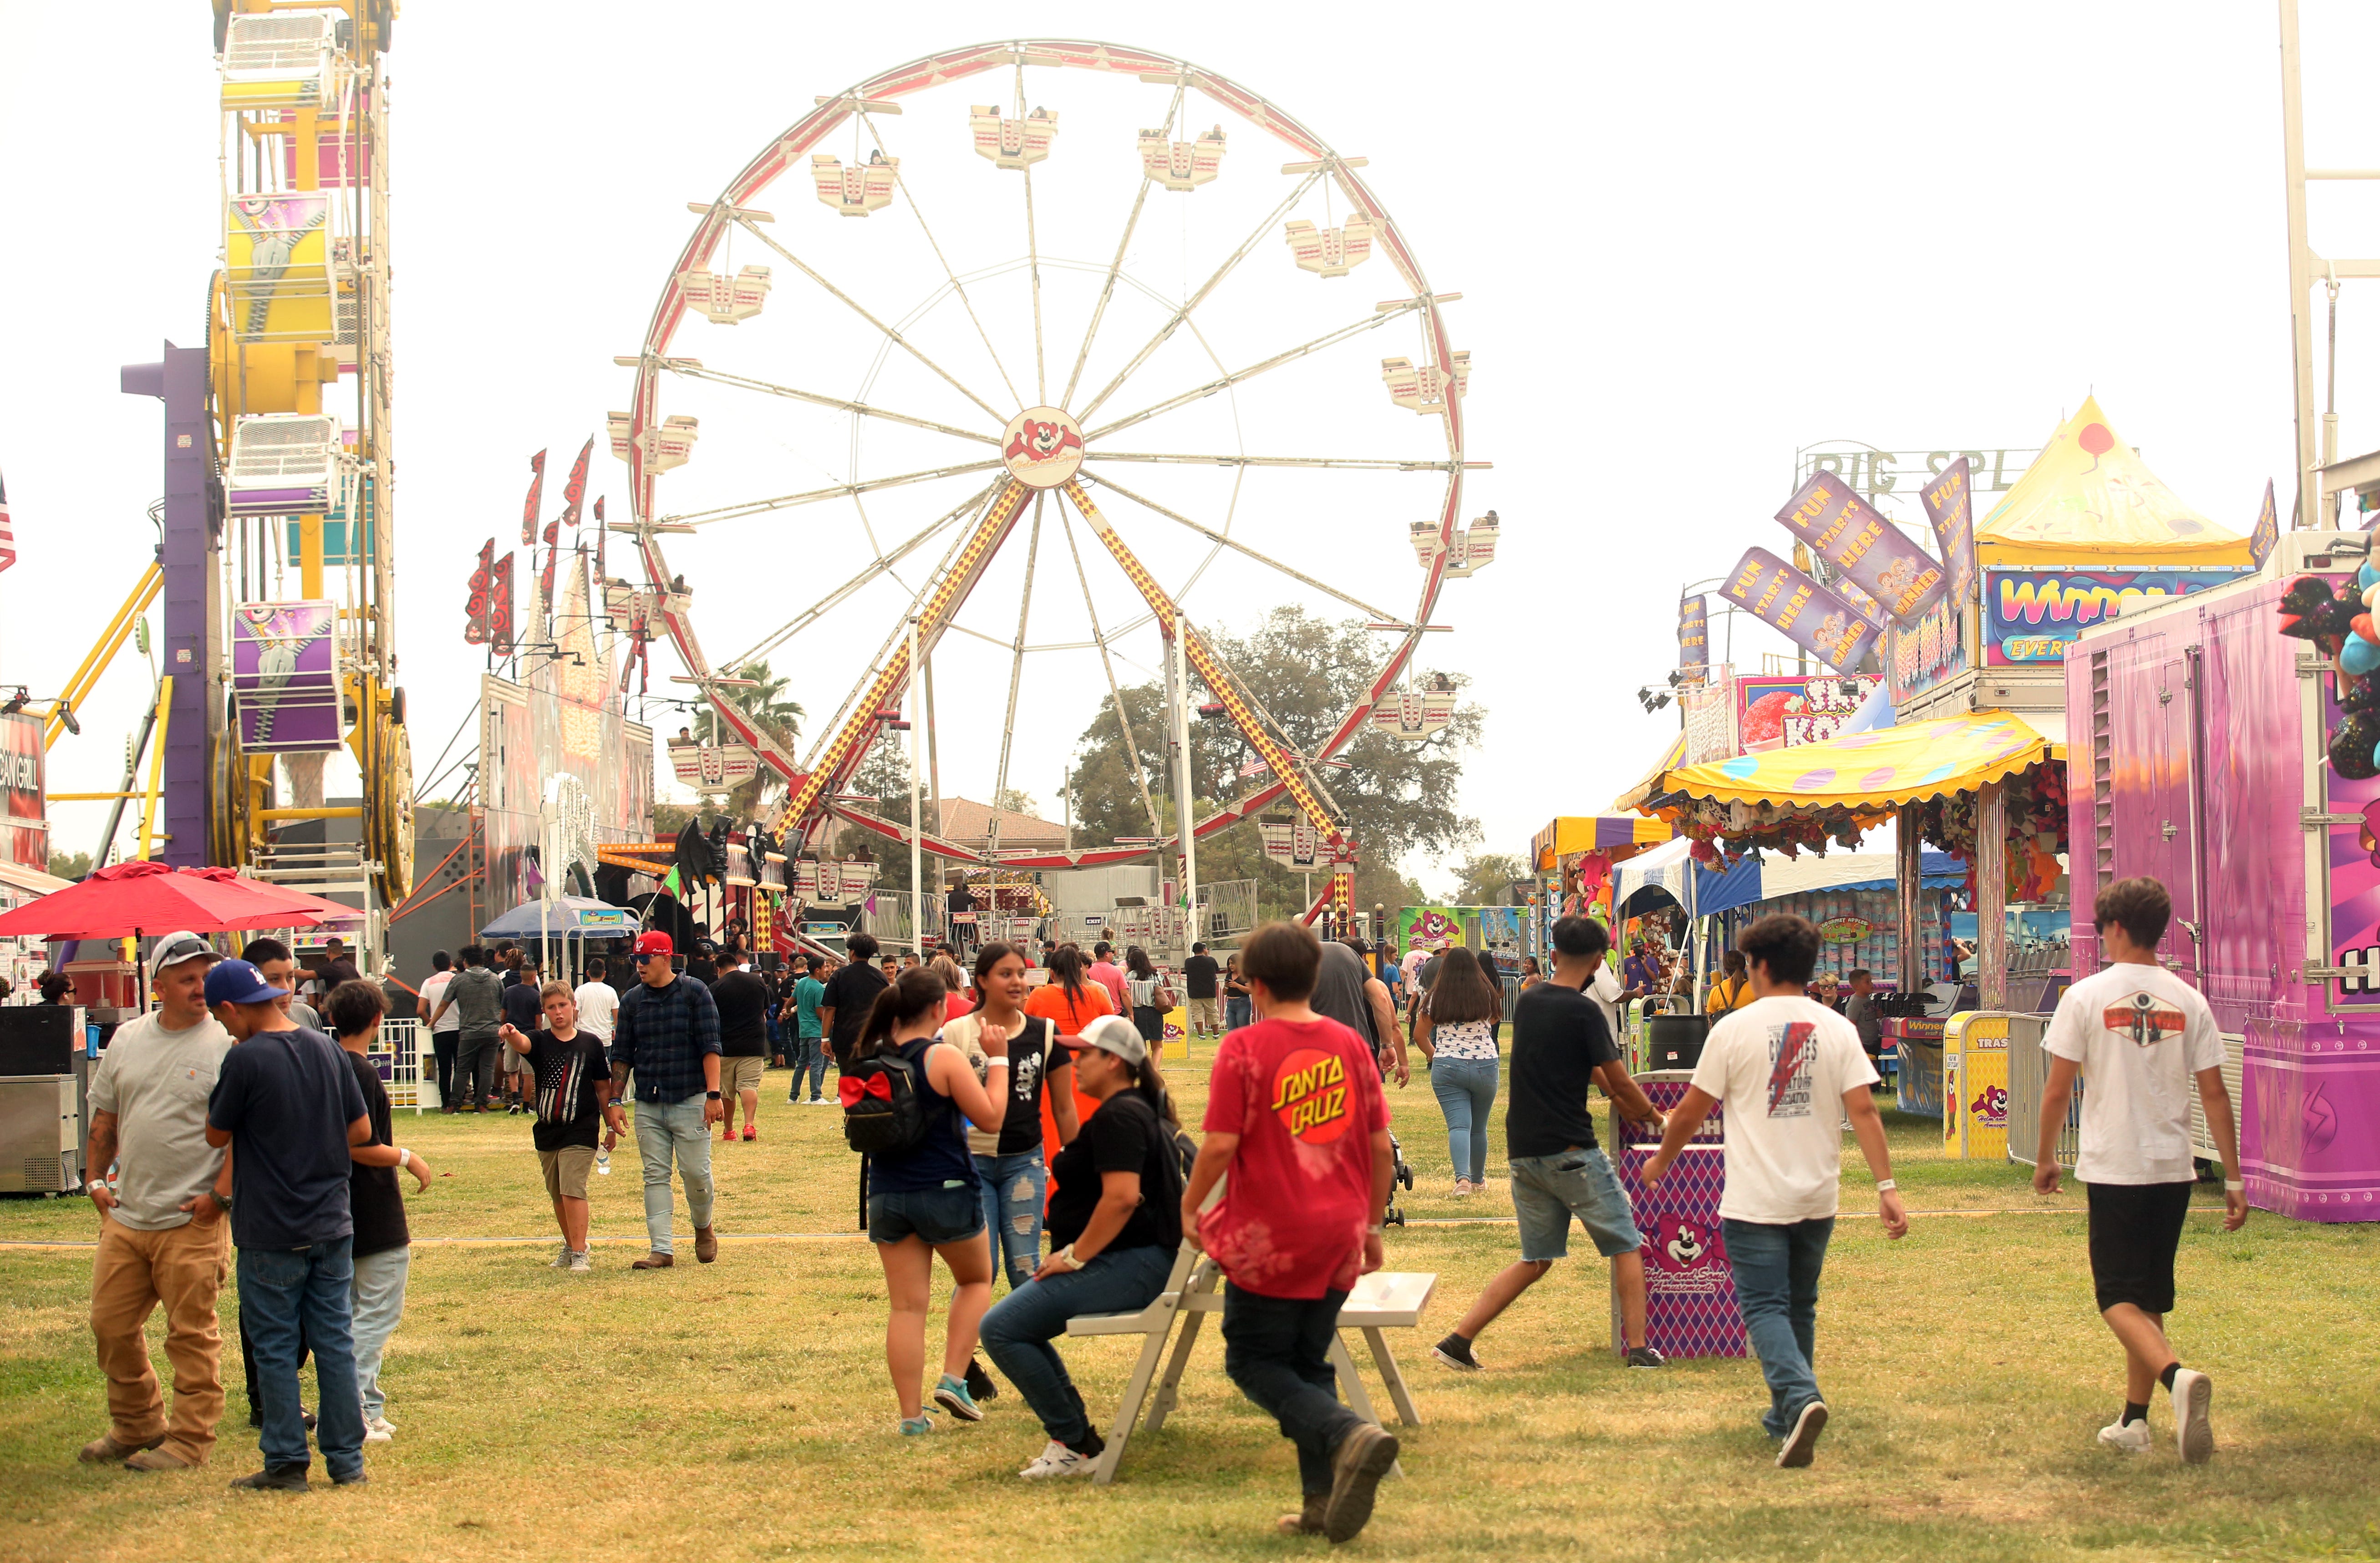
<point x="2198" y="752"/>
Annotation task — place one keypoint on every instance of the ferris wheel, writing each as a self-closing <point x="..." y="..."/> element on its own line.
<point x="1053" y="380"/>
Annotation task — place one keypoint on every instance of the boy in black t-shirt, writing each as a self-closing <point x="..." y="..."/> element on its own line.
<point x="574" y="1090"/>
<point x="1560" y="1045"/>
<point x="384" y="1252"/>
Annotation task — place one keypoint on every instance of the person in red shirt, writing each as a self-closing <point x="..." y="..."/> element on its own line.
<point x="1070" y="1000"/>
<point x="1295" y="1114"/>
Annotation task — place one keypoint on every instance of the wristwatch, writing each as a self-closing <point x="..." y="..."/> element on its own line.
<point x="712" y="1095"/>
<point x="222" y="1201"/>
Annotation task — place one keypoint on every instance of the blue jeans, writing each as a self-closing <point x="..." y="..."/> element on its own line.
<point x="376" y="1301"/>
<point x="1278" y="1350"/>
<point x="292" y="1299"/>
<point x="1014" y="1188"/>
<point x="809" y="1058"/>
<point x="1018" y="1331"/>
<point x="1237" y="1012"/>
<point x="1466" y="1089"/>
<point x="664" y="1129"/>
<point x="1777" y="1288"/>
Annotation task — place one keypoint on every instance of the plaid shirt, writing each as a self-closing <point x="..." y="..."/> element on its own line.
<point x="662" y="1033"/>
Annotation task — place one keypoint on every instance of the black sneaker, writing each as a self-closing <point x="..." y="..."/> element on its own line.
<point x="1800" y="1445"/>
<point x="1455" y="1352"/>
<point x="1645" y="1357"/>
<point x="357" y="1480"/>
<point x="275" y="1478"/>
<point x="978" y="1382"/>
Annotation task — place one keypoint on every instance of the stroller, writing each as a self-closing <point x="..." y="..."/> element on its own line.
<point x="1403" y="1174"/>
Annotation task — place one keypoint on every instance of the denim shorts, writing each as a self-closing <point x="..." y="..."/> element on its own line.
<point x="939" y="1216"/>
<point x="1548" y="1190"/>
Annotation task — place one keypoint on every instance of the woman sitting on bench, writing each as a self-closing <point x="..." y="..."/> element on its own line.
<point x="1117" y="1213"/>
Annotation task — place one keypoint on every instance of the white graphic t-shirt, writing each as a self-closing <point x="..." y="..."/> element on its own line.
<point x="1783" y="1065"/>
<point x="599" y="1009"/>
<point x="2141" y="1035"/>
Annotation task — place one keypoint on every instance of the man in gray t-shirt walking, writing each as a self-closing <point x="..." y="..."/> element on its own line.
<point x="161" y="1225"/>
<point x="476" y="996"/>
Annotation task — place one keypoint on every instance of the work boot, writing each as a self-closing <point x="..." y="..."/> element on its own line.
<point x="106" y="1449"/>
<point x="160" y="1460"/>
<point x="654" y="1261"/>
<point x="706" y="1245"/>
<point x="1308" y="1521"/>
<point x="1363" y="1456"/>
<point x="273" y="1479"/>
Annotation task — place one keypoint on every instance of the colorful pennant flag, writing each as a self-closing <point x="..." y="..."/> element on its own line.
<point x="500" y="605"/>
<point x="475" y="613"/>
<point x="9" y="534"/>
<point x="575" y="488"/>
<point x="536" y="499"/>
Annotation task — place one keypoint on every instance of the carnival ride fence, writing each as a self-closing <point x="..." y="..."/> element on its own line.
<point x="2028" y="1068"/>
<point x="407" y="1065"/>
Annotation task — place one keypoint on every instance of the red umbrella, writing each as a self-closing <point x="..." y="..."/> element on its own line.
<point x="145" y="897"/>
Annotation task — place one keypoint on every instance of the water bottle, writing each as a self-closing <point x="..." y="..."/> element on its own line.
<point x="602" y="1161"/>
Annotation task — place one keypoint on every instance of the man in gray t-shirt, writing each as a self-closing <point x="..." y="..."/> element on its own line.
<point x="161" y="1224"/>
<point x="1865" y="1015"/>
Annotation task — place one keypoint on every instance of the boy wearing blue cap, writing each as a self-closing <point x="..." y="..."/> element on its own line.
<point x="291" y="1102"/>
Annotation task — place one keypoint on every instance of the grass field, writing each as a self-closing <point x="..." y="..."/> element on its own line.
<point x="741" y="1411"/>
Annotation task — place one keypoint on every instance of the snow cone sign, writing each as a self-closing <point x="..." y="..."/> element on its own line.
<point x="1784" y="712"/>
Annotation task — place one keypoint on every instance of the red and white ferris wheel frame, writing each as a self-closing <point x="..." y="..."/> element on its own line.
<point x="786" y="154"/>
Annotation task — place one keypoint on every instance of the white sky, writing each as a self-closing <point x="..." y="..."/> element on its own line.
<point x="1686" y="247"/>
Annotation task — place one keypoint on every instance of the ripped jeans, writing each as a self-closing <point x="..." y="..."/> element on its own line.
<point x="1013" y="1189"/>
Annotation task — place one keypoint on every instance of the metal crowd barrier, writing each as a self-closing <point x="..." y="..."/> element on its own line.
<point x="2028" y="1068"/>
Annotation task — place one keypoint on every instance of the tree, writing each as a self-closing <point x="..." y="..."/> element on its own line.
<point x="762" y="704"/>
<point x="69" y="865"/>
<point x="1483" y="879"/>
<point x="1016" y="800"/>
<point x="1397" y="797"/>
<point x="882" y="777"/>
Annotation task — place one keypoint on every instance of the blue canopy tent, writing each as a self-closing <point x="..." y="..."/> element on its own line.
<point x="564" y="918"/>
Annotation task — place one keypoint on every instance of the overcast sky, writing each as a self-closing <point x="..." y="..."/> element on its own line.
<point x="1688" y="245"/>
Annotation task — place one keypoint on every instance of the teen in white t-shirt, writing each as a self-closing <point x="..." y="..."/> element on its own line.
<point x="2141" y="1038"/>
<point x="1789" y="1070"/>
<point x="599" y="1003"/>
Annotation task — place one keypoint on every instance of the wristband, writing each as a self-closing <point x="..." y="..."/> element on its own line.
<point x="1375" y="1230"/>
<point x="995" y="1061"/>
<point x="712" y="1095"/>
<point x="2234" y="1186"/>
<point x="404" y="1157"/>
<point x="1886" y="1186"/>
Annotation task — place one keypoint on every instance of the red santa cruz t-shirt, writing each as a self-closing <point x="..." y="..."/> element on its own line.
<point x="1305" y="1101"/>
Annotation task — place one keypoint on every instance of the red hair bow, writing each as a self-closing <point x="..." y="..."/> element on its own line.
<point x="855" y="1090"/>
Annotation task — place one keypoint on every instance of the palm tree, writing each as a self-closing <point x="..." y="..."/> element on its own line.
<point x="761" y="703"/>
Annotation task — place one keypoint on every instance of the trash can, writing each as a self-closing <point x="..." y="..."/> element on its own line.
<point x="1689" y="1308"/>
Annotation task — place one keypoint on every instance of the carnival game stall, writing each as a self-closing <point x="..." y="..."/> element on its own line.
<point x="1572" y="863"/>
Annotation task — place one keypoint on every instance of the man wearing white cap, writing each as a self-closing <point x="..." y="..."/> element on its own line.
<point x="161" y="1224"/>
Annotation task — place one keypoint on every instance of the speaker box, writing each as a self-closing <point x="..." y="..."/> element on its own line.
<point x="1676" y="1041"/>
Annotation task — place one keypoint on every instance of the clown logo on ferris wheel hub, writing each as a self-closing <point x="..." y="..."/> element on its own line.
<point x="1042" y="447"/>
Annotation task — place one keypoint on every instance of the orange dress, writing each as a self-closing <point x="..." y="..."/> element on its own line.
<point x="1067" y="1015"/>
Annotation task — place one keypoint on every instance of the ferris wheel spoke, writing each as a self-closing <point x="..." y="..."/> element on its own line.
<point x="1174" y="324"/>
<point x="857" y="308"/>
<point x="1304" y="349"/>
<point x="1107" y="661"/>
<point x="1234" y="543"/>
<point x="745" y="382"/>
<point x="880" y="566"/>
<point x="812" y="496"/>
<point x="956" y="286"/>
<point x="1016" y="666"/>
<point x="1353" y="464"/>
<point x="1040" y="358"/>
<point x="1107" y="291"/>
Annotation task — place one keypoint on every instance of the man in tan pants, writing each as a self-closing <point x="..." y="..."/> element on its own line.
<point x="161" y="1235"/>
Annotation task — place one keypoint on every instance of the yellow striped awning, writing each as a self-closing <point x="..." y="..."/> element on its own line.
<point x="1650" y="782"/>
<point x="1876" y="772"/>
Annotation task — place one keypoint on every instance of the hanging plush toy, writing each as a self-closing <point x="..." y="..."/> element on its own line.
<point x="2342" y="625"/>
<point x="2352" y="744"/>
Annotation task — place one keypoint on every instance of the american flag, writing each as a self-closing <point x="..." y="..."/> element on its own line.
<point x="7" y="534"/>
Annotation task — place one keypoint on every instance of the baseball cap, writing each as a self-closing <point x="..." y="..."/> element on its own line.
<point x="1113" y="1034"/>
<point x="177" y="948"/>
<point x="237" y="982"/>
<point x="654" y="943"/>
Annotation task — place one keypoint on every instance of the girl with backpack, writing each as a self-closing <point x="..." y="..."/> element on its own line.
<point x="1117" y="1214"/>
<point x="904" y="1094"/>
<point x="1150" y="999"/>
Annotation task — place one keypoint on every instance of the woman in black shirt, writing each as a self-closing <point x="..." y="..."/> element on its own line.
<point x="382" y="1245"/>
<point x="1117" y="1215"/>
<point x="1015" y="1179"/>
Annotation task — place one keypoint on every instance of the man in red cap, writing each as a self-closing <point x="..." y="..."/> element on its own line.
<point x="668" y="1035"/>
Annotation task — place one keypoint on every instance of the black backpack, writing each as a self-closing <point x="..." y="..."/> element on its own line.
<point x="882" y="1112"/>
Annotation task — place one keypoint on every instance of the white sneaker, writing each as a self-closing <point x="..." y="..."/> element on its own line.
<point x="562" y="1257"/>
<point x="2127" y="1437"/>
<point x="1057" y="1460"/>
<point x="379" y="1430"/>
<point x="2193" y="1393"/>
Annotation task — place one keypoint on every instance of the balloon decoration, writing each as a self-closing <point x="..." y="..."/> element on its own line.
<point x="2340" y="623"/>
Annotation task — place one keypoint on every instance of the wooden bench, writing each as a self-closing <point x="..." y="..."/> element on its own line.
<point x="1382" y="1301"/>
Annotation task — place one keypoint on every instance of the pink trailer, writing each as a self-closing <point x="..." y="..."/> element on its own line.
<point x="2196" y="754"/>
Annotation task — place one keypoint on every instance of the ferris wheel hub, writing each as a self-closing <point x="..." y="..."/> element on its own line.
<point x="1042" y="447"/>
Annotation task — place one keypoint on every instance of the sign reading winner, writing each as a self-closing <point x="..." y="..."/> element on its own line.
<point x="1852" y="535"/>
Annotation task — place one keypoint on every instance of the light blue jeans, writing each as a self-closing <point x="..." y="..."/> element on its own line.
<point x="809" y="1060"/>
<point x="376" y="1301"/>
<point x="292" y="1299"/>
<point x="1777" y="1288"/>
<point x="1237" y="1012"/>
<point x="1466" y="1089"/>
<point x="663" y="1128"/>
<point x="1018" y="1331"/>
<point x="1013" y="1189"/>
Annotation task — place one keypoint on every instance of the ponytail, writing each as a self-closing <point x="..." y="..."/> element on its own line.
<point x="1150" y="1083"/>
<point x="915" y="992"/>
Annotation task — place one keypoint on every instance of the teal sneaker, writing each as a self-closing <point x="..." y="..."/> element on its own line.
<point x="911" y="1426"/>
<point x="952" y="1394"/>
